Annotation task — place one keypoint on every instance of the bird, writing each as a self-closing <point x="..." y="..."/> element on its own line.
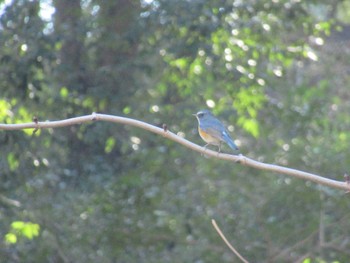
<point x="213" y="131"/>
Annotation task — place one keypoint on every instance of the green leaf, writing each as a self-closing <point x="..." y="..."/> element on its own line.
<point x="26" y="229"/>
<point x="17" y="225"/>
<point x="30" y="230"/>
<point x="252" y="126"/>
<point x="180" y="63"/>
<point x="110" y="143"/>
<point x="127" y="110"/>
<point x="64" y="92"/>
<point x="24" y="116"/>
<point x="10" y="238"/>
<point x="12" y="161"/>
<point x="5" y="109"/>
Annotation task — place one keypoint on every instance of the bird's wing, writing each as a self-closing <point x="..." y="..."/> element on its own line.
<point x="214" y="128"/>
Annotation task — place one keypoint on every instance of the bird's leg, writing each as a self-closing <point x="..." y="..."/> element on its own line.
<point x="219" y="148"/>
<point x="205" y="147"/>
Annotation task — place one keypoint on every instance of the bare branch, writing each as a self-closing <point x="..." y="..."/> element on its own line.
<point x="169" y="135"/>
<point x="8" y="201"/>
<point x="228" y="243"/>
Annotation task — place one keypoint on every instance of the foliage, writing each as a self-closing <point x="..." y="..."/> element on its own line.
<point x="25" y="229"/>
<point x="108" y="193"/>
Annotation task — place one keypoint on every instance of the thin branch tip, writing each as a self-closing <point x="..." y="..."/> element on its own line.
<point x="218" y="230"/>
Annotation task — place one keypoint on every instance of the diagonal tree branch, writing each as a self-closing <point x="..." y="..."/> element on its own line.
<point x="243" y="160"/>
<point x="227" y="242"/>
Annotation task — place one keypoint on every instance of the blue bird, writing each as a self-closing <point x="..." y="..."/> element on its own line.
<point x="212" y="131"/>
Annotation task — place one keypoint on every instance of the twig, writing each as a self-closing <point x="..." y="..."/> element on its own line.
<point x="302" y="243"/>
<point x="9" y="201"/>
<point x="143" y="125"/>
<point x="228" y="243"/>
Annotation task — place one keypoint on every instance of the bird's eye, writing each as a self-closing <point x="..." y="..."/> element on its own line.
<point x="200" y="115"/>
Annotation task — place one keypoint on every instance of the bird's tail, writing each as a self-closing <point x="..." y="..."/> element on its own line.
<point x="229" y="141"/>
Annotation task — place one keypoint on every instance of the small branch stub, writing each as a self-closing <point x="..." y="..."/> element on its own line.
<point x="35" y="120"/>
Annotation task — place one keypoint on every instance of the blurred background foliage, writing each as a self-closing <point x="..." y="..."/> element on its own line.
<point x="276" y="71"/>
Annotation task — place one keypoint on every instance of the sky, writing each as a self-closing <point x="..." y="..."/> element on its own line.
<point x="46" y="12"/>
